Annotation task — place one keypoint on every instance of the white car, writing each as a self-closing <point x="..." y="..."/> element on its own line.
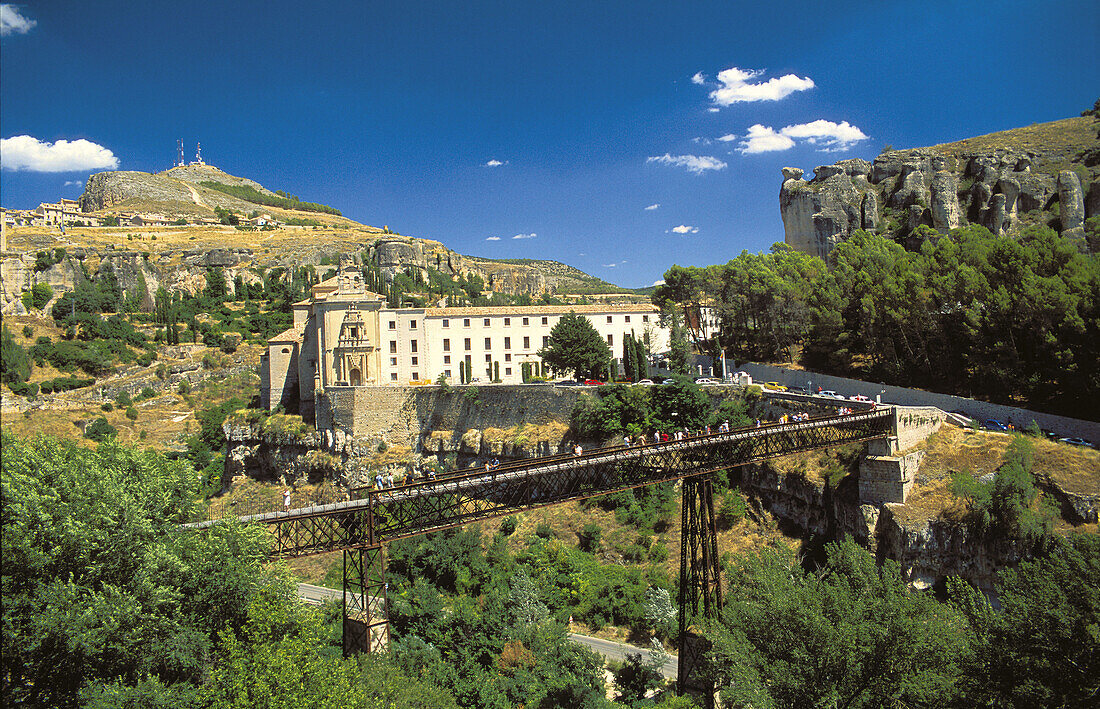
<point x="859" y="397"/>
<point x="707" y="381"/>
<point x="830" y="394"/>
<point x="644" y="383"/>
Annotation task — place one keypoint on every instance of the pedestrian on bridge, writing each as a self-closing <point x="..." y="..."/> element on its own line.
<point x="286" y="500"/>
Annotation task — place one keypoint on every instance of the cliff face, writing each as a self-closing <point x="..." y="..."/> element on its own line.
<point x="1044" y="174"/>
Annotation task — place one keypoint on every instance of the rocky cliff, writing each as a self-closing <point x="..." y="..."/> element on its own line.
<point x="1043" y="174"/>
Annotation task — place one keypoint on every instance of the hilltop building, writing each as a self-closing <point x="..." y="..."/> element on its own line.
<point x="346" y="338"/>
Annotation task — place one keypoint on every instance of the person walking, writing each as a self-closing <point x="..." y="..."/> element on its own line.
<point x="286" y="500"/>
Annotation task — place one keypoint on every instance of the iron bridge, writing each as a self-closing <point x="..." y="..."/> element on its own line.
<point x="361" y="527"/>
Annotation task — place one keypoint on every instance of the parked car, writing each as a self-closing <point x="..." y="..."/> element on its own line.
<point x="797" y="390"/>
<point x="829" y="394"/>
<point x="668" y="382"/>
<point x="774" y="386"/>
<point x="1076" y="442"/>
<point x="995" y="425"/>
<point x="859" y="397"/>
<point x="593" y="383"/>
<point x="568" y="383"/>
<point x="707" y="381"/>
<point x="644" y="383"/>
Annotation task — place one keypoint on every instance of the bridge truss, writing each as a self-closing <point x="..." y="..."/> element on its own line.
<point x="361" y="527"/>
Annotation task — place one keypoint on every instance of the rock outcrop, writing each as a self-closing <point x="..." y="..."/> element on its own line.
<point x="1005" y="182"/>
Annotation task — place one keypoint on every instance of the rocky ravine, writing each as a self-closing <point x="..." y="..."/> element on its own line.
<point x="1004" y="181"/>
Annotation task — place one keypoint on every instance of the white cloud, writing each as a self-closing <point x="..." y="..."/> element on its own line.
<point x="736" y="87"/>
<point x="685" y="229"/>
<point x="610" y="265"/>
<point x="13" y="22"/>
<point x="492" y="238"/>
<point x="23" y="152"/>
<point x="764" y="139"/>
<point x="651" y="207"/>
<point x="712" y="109"/>
<point x="728" y="137"/>
<point x="694" y="163"/>
<point x="699" y="78"/>
<point x="700" y="140"/>
<point x="495" y="163"/>
<point x="73" y="183"/>
<point x="829" y="136"/>
<point x="532" y="235"/>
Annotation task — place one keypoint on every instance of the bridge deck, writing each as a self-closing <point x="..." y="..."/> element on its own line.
<point x="475" y="494"/>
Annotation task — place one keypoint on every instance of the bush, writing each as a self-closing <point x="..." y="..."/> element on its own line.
<point x="590" y="537"/>
<point x="472" y="395"/>
<point x="508" y="525"/>
<point x="733" y="508"/>
<point x="123" y="399"/>
<point x="99" y="430"/>
<point x="131" y="413"/>
<point x="543" y="531"/>
<point x="148" y="393"/>
<point x="184" y="388"/>
<point x="28" y="331"/>
<point x="107" y="406"/>
<point x="162" y="371"/>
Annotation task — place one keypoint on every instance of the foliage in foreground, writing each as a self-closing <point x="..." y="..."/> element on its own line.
<point x="108" y="603"/>
<point x="851" y="634"/>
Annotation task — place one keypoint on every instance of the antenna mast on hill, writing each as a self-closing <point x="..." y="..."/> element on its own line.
<point x="198" y="153"/>
<point x="179" y="153"/>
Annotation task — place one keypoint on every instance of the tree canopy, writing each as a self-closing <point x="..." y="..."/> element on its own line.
<point x="575" y="346"/>
<point x="1013" y="320"/>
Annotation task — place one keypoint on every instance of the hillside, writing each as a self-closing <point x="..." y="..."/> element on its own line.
<point x="1042" y="174"/>
<point x="562" y="277"/>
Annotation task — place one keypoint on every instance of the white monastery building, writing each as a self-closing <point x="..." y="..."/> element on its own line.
<point x="346" y="337"/>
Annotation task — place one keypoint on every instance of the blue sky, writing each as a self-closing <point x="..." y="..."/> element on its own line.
<point x="397" y="112"/>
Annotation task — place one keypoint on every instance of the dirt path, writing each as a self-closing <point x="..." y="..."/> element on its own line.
<point x="195" y="196"/>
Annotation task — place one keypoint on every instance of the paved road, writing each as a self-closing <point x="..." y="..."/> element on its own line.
<point x="317" y="595"/>
<point x="618" y="651"/>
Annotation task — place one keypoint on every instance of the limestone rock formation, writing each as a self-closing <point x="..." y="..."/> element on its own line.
<point x="945" y="200"/>
<point x="1005" y="182"/>
<point x="1072" y="198"/>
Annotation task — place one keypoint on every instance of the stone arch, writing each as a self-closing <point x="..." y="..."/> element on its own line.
<point x="355" y="377"/>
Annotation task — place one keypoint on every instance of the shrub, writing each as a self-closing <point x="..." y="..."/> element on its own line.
<point x="733" y="508"/>
<point x="590" y="537"/>
<point x="658" y="552"/>
<point x="131" y="413"/>
<point x="107" y="406"/>
<point x="28" y="331"/>
<point x="543" y="531"/>
<point x="162" y="371"/>
<point x="184" y="387"/>
<point x="99" y="430"/>
<point x="123" y="399"/>
<point x="472" y="395"/>
<point x="508" y="525"/>
<point x="148" y="393"/>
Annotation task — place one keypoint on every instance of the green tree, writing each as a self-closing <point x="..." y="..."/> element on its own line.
<point x="99" y="584"/>
<point x="15" y="366"/>
<point x="679" y="356"/>
<point x="1043" y="648"/>
<point x="575" y="346"/>
<point x="848" y="635"/>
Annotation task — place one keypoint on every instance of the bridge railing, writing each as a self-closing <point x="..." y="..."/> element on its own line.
<point x="475" y="494"/>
